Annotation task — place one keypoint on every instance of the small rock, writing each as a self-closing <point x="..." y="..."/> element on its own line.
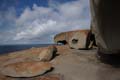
<point x="48" y="53"/>
<point x="26" y="69"/>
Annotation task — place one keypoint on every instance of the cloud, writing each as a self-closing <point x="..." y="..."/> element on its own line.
<point x="7" y="25"/>
<point x="36" y="29"/>
<point x="40" y="24"/>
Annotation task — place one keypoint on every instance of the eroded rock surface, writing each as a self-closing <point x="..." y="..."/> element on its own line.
<point x="26" y="69"/>
<point x="27" y="63"/>
<point x="79" y="39"/>
<point x="66" y="36"/>
<point x="47" y="54"/>
<point x="33" y="54"/>
<point x="75" y="65"/>
<point x="43" y="77"/>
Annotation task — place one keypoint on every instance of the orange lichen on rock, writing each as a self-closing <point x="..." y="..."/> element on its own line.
<point x="26" y="69"/>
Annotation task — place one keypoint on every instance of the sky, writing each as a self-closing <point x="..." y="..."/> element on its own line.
<point x="38" y="21"/>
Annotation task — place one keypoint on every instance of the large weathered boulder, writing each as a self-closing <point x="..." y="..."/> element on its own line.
<point x="47" y="54"/>
<point x="79" y="39"/>
<point x="82" y="40"/>
<point x="64" y="37"/>
<point x="26" y="69"/>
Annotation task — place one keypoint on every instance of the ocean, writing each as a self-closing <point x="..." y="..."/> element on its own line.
<point x="4" y="49"/>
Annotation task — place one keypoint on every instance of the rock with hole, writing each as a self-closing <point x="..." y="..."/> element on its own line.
<point x="79" y="40"/>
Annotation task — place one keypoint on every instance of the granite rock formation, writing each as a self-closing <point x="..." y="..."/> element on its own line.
<point x="79" y="39"/>
<point x="34" y="54"/>
<point x="27" y="63"/>
<point x="26" y="69"/>
<point x="36" y="61"/>
<point x="47" y="54"/>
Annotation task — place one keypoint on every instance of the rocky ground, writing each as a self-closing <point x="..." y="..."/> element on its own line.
<point x="68" y="64"/>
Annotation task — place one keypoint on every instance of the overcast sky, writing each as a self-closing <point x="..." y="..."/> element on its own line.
<point x="37" y="21"/>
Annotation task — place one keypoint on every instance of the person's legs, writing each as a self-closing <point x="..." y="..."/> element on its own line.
<point x="105" y="24"/>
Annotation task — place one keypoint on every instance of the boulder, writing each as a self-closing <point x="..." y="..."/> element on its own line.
<point x="48" y="53"/>
<point x="82" y="40"/>
<point x="26" y="69"/>
<point x="64" y="37"/>
<point x="78" y="39"/>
